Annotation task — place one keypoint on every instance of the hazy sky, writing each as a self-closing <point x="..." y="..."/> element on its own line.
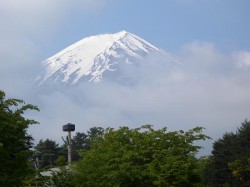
<point x="211" y="88"/>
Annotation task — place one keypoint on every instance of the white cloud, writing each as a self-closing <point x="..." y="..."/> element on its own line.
<point x="242" y="59"/>
<point x="206" y="90"/>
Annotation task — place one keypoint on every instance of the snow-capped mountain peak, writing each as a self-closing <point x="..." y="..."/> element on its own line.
<point x="91" y="57"/>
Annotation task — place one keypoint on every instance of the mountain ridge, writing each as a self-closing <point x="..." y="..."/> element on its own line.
<point x="92" y="57"/>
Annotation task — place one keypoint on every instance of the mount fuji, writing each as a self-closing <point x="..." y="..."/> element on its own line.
<point x="100" y="57"/>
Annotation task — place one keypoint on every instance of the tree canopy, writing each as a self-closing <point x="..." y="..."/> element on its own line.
<point x="49" y="151"/>
<point x="229" y="163"/>
<point x="141" y="157"/>
<point x="14" y="141"/>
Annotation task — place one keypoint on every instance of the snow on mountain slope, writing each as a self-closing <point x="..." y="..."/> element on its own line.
<point x="92" y="57"/>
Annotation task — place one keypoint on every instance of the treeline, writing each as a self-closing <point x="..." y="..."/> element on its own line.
<point x="119" y="157"/>
<point x="47" y="153"/>
<point x="130" y="157"/>
<point x="229" y="164"/>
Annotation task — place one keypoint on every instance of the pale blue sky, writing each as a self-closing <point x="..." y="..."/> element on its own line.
<point x="166" y="23"/>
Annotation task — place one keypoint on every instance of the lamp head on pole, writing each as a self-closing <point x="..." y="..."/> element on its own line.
<point x="69" y="127"/>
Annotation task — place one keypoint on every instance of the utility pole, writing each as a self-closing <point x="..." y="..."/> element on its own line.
<point x="38" y="158"/>
<point x="69" y="147"/>
<point x="68" y="128"/>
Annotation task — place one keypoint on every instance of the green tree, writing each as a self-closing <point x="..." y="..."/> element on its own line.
<point x="82" y="141"/>
<point x="229" y="162"/>
<point x="63" y="178"/>
<point x="202" y="163"/>
<point x="49" y="152"/>
<point x="241" y="170"/>
<point x="15" y="143"/>
<point x="223" y="152"/>
<point x="79" y="141"/>
<point x="61" y="161"/>
<point x="93" y="134"/>
<point x="141" y="157"/>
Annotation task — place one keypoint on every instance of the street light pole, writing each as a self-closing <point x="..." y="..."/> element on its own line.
<point x="68" y="128"/>
<point x="69" y="147"/>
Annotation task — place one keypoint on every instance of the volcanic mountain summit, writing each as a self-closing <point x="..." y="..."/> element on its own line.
<point x="95" y="58"/>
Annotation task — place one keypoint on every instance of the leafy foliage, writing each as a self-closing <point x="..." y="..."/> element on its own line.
<point x="60" y="161"/>
<point x="63" y="178"/>
<point x="82" y="141"/>
<point x="14" y="141"/>
<point x="49" y="152"/>
<point x="79" y="141"/>
<point x="229" y="163"/>
<point x="240" y="170"/>
<point x="141" y="157"/>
